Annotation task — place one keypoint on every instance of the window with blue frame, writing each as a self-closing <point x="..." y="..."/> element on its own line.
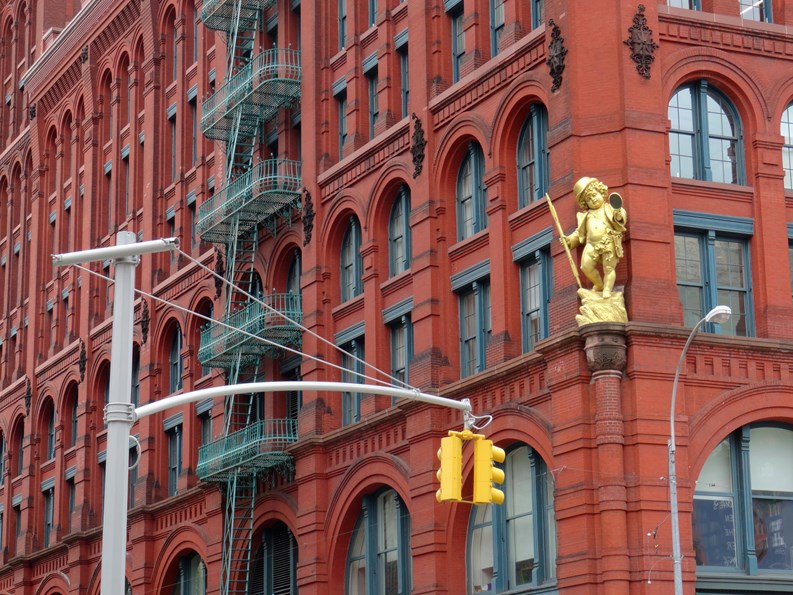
<point x="742" y="518"/>
<point x="49" y="515"/>
<point x="496" y="25"/>
<point x="536" y="285"/>
<point x="533" y="157"/>
<point x="374" y="104"/>
<point x="342" y="23"/>
<point x="175" y="364"/>
<point x="689" y="4"/>
<point x="191" y="576"/>
<point x="2" y="460"/>
<point x="341" y="105"/>
<point x="399" y="248"/>
<point x="706" y="139"/>
<point x="712" y="267"/>
<point x="471" y="193"/>
<point x="352" y="359"/>
<point x="174" y="435"/>
<point x="537" y="9"/>
<point x="372" y="12"/>
<point x="351" y="262"/>
<point x="401" y="348"/>
<point x="513" y="546"/>
<point x="50" y="452"/>
<point x="404" y="78"/>
<point x="378" y="560"/>
<point x="274" y="566"/>
<point x="475" y="326"/>
<point x="755" y="10"/>
<point x="458" y="39"/>
<point x="786" y="129"/>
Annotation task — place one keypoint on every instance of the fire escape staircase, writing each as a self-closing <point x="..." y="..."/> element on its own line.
<point x="256" y="196"/>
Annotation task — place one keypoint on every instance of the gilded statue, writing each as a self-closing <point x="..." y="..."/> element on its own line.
<point x="600" y="227"/>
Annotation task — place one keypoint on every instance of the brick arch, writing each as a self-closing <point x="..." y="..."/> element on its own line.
<point x="55" y="583"/>
<point x="384" y="192"/>
<point x="731" y="410"/>
<point x="366" y="475"/>
<point x="180" y="542"/>
<point x="332" y="235"/>
<point x="280" y="261"/>
<point x="686" y="66"/>
<point x="452" y="150"/>
<point x="275" y="507"/>
<point x="511" y="114"/>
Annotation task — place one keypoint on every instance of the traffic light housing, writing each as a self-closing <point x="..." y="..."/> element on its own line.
<point x="486" y="473"/>
<point x="450" y="473"/>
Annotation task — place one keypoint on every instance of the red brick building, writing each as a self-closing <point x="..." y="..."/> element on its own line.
<point x="376" y="170"/>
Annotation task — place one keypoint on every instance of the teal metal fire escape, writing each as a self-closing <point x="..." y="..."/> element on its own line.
<point x="257" y="195"/>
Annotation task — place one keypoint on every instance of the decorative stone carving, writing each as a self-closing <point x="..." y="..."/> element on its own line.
<point x="145" y="319"/>
<point x="556" y="55"/>
<point x="220" y="271"/>
<point x="308" y="217"/>
<point x="83" y="361"/>
<point x="84" y="54"/>
<point x="32" y="111"/>
<point x="640" y="41"/>
<point x="417" y="144"/>
<point x="604" y="344"/>
<point x="28" y="395"/>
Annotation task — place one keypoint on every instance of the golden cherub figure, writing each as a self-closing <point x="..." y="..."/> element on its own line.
<point x="600" y="229"/>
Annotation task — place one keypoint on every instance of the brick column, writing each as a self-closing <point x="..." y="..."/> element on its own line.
<point x="605" y="354"/>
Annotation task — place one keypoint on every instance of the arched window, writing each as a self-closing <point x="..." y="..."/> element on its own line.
<point x="399" y="249"/>
<point x="19" y="445"/>
<point x="107" y="109"/>
<point x="191" y="576"/>
<point x="2" y="458"/>
<point x="533" y="166"/>
<point x="705" y="141"/>
<point x="48" y="427"/>
<point x="175" y="368"/>
<point x="378" y="560"/>
<point x="743" y="506"/>
<point x="351" y="262"/>
<point x="471" y="194"/>
<point x="125" y="104"/>
<point x="274" y="567"/>
<point x="171" y="47"/>
<point x="71" y="406"/>
<point x="293" y="276"/>
<point x="514" y="545"/>
<point x="786" y="129"/>
<point x="52" y="151"/>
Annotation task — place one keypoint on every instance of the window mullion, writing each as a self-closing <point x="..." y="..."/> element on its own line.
<point x="700" y="97"/>
<point x="711" y="292"/>
<point x="744" y="497"/>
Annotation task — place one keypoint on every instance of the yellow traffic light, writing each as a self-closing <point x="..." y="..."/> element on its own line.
<point x="450" y="473"/>
<point x="486" y="473"/>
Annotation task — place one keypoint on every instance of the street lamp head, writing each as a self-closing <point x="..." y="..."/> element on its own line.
<point x="719" y="315"/>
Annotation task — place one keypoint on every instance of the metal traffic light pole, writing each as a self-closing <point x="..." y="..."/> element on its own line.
<point x="120" y="415"/>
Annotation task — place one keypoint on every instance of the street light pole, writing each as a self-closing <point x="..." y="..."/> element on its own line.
<point x="718" y="315"/>
<point x="119" y="411"/>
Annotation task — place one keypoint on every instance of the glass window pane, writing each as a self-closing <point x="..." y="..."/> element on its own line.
<point x="481" y="551"/>
<point x="773" y="532"/>
<point x="716" y="474"/>
<point x="771" y="450"/>
<point x="714" y="531"/>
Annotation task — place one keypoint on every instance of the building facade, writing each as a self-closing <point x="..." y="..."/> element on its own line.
<point x="358" y="190"/>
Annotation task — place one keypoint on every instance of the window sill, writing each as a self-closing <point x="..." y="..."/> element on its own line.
<point x="738" y="582"/>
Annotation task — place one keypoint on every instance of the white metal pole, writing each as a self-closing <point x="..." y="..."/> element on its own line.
<point x="118" y="415"/>
<point x="719" y="314"/>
